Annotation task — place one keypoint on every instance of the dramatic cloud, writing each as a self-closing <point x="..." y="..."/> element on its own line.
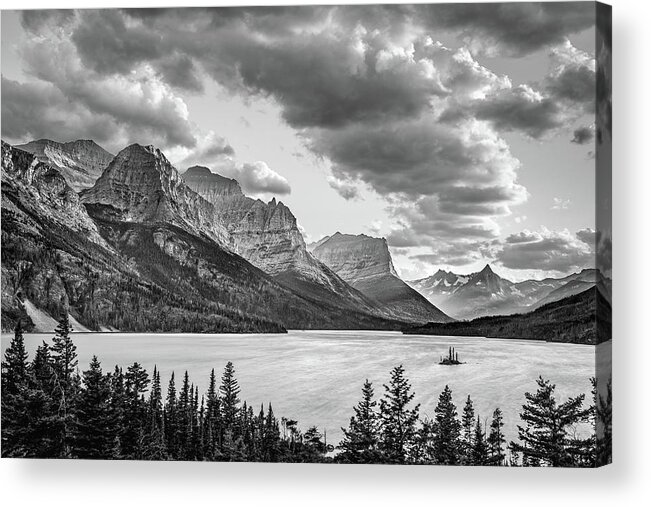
<point x="583" y="135"/>
<point x="259" y="178"/>
<point x="509" y="28"/>
<point x="546" y="250"/>
<point x="369" y="89"/>
<point x="567" y="94"/>
<point x="118" y="109"/>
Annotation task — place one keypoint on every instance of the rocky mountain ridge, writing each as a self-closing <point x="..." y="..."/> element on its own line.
<point x="138" y="252"/>
<point x="485" y="293"/>
<point x="80" y="162"/>
<point x="365" y="263"/>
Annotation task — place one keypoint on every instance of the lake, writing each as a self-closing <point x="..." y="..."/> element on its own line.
<point x="316" y="377"/>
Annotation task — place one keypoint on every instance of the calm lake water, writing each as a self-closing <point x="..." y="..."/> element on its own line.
<point x="316" y="377"/>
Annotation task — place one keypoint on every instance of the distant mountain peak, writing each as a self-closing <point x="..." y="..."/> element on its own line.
<point x="487" y="270"/>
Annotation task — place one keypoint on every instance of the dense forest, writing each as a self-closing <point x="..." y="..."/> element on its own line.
<point x="583" y="318"/>
<point x="50" y="410"/>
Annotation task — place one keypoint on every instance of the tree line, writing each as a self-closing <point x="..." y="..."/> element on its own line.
<point x="50" y="410"/>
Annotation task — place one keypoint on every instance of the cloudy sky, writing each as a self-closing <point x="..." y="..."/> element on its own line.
<point x="464" y="134"/>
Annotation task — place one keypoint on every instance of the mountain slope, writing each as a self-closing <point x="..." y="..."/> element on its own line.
<point x="80" y="162"/>
<point x="140" y="185"/>
<point x="365" y="263"/>
<point x="581" y="318"/>
<point x="146" y="275"/>
<point x="267" y="235"/>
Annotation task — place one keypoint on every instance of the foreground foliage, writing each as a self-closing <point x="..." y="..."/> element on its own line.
<point x="49" y="410"/>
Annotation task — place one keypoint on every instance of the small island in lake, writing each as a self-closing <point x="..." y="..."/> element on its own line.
<point x="452" y="359"/>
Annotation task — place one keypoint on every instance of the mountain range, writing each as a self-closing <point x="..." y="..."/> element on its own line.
<point x="486" y="293"/>
<point x="144" y="248"/>
<point x="127" y="242"/>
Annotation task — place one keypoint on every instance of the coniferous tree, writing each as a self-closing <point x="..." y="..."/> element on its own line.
<point x="136" y="381"/>
<point x="118" y="407"/>
<point x="398" y="421"/>
<point x="96" y="428"/>
<point x="447" y="430"/>
<point x="479" y="451"/>
<point x="172" y="420"/>
<point x="230" y="391"/>
<point x="468" y="429"/>
<point x="496" y="440"/>
<point x="545" y="436"/>
<point x="155" y="442"/>
<point x="66" y="385"/>
<point x="213" y="432"/>
<point x="15" y="395"/>
<point x="14" y="366"/>
<point x="361" y="439"/>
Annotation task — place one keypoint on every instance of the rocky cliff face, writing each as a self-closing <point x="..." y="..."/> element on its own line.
<point x="43" y="191"/>
<point x="80" y="162"/>
<point x="140" y="185"/>
<point x="266" y="234"/>
<point x="365" y="263"/>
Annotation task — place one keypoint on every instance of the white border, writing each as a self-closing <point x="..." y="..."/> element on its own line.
<point x="626" y="482"/>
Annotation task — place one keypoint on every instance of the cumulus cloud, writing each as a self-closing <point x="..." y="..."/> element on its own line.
<point x="258" y="177"/>
<point x="137" y="107"/>
<point x="559" y="251"/>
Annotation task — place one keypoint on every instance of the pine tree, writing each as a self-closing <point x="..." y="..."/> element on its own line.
<point x="479" y="450"/>
<point x="361" y="439"/>
<point x="155" y="443"/>
<point x="96" y="428"/>
<point x="15" y="395"/>
<point x="14" y="366"/>
<point x="172" y="420"/>
<point x="185" y="417"/>
<point x="271" y="437"/>
<point x="136" y="381"/>
<point x="230" y="391"/>
<point x="35" y="433"/>
<point x="213" y="419"/>
<point x="545" y="434"/>
<point x="496" y="440"/>
<point x="447" y="429"/>
<point x="398" y="421"/>
<point x="118" y="407"/>
<point x="468" y="429"/>
<point x="64" y="351"/>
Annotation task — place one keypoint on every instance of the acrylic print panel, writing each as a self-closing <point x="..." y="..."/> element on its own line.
<point x="338" y="234"/>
